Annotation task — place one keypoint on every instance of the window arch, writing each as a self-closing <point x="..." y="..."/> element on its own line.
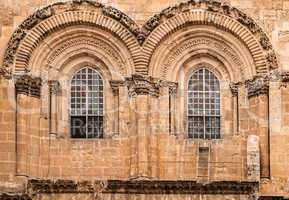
<point x="87" y="104"/>
<point x="203" y="101"/>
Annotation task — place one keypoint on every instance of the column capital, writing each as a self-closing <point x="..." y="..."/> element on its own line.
<point x="115" y="84"/>
<point x="28" y="85"/>
<point x="54" y="86"/>
<point x="258" y="86"/>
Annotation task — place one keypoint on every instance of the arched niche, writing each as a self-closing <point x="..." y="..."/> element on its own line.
<point x="202" y="42"/>
<point x="80" y="41"/>
<point x="236" y="28"/>
<point x="43" y="25"/>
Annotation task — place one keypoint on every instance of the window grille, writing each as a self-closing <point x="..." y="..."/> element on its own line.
<point x="87" y="104"/>
<point x="204" y="119"/>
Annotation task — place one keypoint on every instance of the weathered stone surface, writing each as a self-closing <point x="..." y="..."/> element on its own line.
<point x="146" y="53"/>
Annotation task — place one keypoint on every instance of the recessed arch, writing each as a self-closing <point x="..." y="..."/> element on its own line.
<point x="140" y="41"/>
<point x="211" y="14"/>
<point x="80" y="40"/>
<point x="55" y="17"/>
<point x="202" y="41"/>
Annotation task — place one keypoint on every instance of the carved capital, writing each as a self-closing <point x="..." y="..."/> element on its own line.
<point x="115" y="86"/>
<point x="235" y="88"/>
<point x="258" y="86"/>
<point x="142" y="85"/>
<point x="28" y="85"/>
<point x="284" y="79"/>
<point x="173" y="86"/>
<point x="54" y="87"/>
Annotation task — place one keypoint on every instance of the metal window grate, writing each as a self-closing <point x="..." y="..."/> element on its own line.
<point x="204" y="105"/>
<point x="87" y="104"/>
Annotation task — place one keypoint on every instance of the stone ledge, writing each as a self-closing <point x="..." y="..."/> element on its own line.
<point x="141" y="187"/>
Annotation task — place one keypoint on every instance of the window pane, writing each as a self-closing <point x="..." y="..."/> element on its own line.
<point x="95" y="127"/>
<point x="87" y="103"/>
<point x="78" y="127"/>
<point x="203" y="105"/>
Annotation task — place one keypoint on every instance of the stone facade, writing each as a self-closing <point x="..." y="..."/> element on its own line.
<point x="145" y="52"/>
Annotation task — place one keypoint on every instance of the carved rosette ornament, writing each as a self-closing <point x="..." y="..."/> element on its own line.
<point x="258" y="86"/>
<point x="28" y="85"/>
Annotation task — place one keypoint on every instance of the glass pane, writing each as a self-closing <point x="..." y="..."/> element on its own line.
<point x="87" y="101"/>
<point x="203" y="105"/>
<point x="95" y="127"/>
<point x="78" y="127"/>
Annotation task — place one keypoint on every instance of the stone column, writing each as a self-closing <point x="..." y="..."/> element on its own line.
<point x="258" y="90"/>
<point x="235" y="114"/>
<point x="27" y="125"/>
<point x="54" y="88"/>
<point x="142" y="91"/>
<point x="7" y="129"/>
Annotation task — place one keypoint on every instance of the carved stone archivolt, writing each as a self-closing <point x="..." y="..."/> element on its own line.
<point x="28" y="85"/>
<point x="195" y="44"/>
<point x="95" y="43"/>
<point x="56" y="16"/>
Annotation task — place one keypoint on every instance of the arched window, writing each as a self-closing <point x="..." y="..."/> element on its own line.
<point x="203" y="105"/>
<point x="87" y="104"/>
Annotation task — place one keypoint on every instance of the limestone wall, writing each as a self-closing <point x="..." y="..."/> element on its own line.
<point x="143" y="145"/>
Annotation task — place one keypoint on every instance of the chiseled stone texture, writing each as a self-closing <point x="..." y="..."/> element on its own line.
<point x="145" y="77"/>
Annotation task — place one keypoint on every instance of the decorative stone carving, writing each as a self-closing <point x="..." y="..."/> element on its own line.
<point x="234" y="89"/>
<point x="29" y="86"/>
<point x="284" y="79"/>
<point x="173" y="86"/>
<point x="264" y="41"/>
<point x="180" y="187"/>
<point x="115" y="86"/>
<point x="195" y="43"/>
<point x="7" y="196"/>
<point x="258" y="86"/>
<point x="253" y="158"/>
<point x="272" y="59"/>
<point x="139" y="33"/>
<point x="142" y="85"/>
<point x="21" y="32"/>
<point x="54" y="87"/>
<point x="36" y="186"/>
<point x="96" y="43"/>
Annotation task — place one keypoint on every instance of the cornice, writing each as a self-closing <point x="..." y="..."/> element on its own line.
<point x="28" y="85"/>
<point x="142" y="187"/>
<point x="14" y="196"/>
